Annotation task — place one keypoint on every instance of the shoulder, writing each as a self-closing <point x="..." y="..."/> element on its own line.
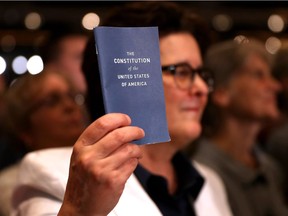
<point x="42" y="181"/>
<point x="206" y="151"/>
<point x="57" y="159"/>
<point x="45" y="170"/>
<point x="51" y="155"/>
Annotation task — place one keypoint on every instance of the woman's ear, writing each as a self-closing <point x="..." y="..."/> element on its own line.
<point x="221" y="97"/>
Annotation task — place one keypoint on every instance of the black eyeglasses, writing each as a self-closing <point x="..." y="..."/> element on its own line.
<point x="184" y="75"/>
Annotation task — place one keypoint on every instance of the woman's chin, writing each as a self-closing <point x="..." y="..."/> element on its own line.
<point x="192" y="132"/>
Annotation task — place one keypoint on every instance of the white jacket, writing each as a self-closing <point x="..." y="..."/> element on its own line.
<point x="43" y="176"/>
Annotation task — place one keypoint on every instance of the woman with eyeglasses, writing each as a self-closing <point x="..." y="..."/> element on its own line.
<point x="40" y="107"/>
<point x="109" y="175"/>
<point x="42" y="111"/>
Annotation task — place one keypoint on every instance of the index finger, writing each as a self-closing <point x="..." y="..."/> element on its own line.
<point x="100" y="127"/>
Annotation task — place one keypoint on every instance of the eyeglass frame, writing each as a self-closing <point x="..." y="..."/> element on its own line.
<point x="55" y="98"/>
<point x="201" y="71"/>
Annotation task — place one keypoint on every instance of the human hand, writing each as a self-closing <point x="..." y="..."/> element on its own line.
<point x="102" y="160"/>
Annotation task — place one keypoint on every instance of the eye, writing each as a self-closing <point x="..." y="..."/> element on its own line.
<point x="183" y="72"/>
<point x="258" y="74"/>
<point x="51" y="100"/>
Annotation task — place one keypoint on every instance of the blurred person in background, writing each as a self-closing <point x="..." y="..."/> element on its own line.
<point x="244" y="98"/>
<point x="63" y="52"/>
<point x="277" y="136"/>
<point x="43" y="111"/>
<point x="108" y="174"/>
<point x="8" y="152"/>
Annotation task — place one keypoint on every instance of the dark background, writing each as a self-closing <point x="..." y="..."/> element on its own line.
<point x="248" y="18"/>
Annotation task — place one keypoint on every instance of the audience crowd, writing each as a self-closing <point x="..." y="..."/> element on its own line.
<point x="54" y="128"/>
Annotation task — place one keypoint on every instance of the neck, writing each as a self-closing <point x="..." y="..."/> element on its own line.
<point x="237" y="138"/>
<point x="157" y="160"/>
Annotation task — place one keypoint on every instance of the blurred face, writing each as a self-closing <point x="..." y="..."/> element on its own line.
<point x="252" y="93"/>
<point x="184" y="108"/>
<point x="71" y="59"/>
<point x="56" y="119"/>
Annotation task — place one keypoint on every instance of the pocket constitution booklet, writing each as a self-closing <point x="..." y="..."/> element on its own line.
<point x="131" y="78"/>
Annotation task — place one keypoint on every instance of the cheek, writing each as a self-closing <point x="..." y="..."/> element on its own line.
<point x="251" y="98"/>
<point x="252" y="104"/>
<point x="45" y="119"/>
<point x="39" y="125"/>
<point x="171" y="101"/>
<point x="242" y="102"/>
<point x="241" y="95"/>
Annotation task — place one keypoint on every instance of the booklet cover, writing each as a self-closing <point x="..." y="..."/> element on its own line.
<point x="131" y="78"/>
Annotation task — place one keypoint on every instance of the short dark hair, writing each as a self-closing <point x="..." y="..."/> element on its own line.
<point x="49" y="50"/>
<point x="168" y="16"/>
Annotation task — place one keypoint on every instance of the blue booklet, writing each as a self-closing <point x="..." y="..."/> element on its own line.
<point x="131" y="78"/>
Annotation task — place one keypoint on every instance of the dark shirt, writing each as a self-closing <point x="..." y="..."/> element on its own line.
<point x="190" y="183"/>
<point x="10" y="152"/>
<point x="251" y="192"/>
